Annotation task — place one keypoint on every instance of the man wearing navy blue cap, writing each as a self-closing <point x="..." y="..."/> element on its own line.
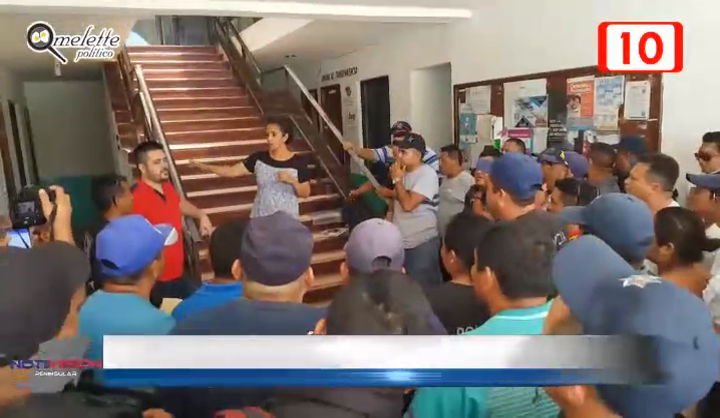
<point x="624" y="222"/>
<point x="129" y="251"/>
<point x="514" y="184"/>
<point x="559" y="164"/>
<point x="607" y="296"/>
<point x="629" y="149"/>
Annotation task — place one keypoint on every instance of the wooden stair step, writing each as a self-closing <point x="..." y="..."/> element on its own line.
<point x="184" y="103"/>
<point x="207" y="82"/>
<point x="190" y="93"/>
<point x="172" y="48"/>
<point x="200" y="113"/>
<point x="180" y="64"/>
<point x="218" y="122"/>
<point x="216" y="135"/>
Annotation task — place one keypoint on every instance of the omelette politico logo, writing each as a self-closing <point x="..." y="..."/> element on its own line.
<point x="89" y="45"/>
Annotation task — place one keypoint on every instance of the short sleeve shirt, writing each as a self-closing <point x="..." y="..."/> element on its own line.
<point x="274" y="195"/>
<point x="162" y="208"/>
<point x="419" y="225"/>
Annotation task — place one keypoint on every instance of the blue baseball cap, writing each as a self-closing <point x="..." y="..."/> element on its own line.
<point x="632" y="144"/>
<point x="518" y="174"/>
<point x="623" y="221"/>
<point x="484" y="164"/>
<point x="705" y="181"/>
<point x="127" y="245"/>
<point x="552" y="156"/>
<point x="609" y="297"/>
<point x="577" y="163"/>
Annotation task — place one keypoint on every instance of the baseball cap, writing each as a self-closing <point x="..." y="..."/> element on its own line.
<point x="400" y="128"/>
<point x="577" y="163"/>
<point x="35" y="292"/>
<point x="705" y="181"/>
<point x="413" y="141"/>
<point x="632" y="144"/>
<point x="370" y="240"/>
<point x="276" y="249"/>
<point x="127" y="245"/>
<point x="609" y="297"/>
<point x="552" y="156"/>
<point x="518" y="174"/>
<point x="623" y="221"/>
<point x="484" y="164"/>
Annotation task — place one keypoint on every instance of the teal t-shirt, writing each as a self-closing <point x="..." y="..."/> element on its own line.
<point x="495" y="402"/>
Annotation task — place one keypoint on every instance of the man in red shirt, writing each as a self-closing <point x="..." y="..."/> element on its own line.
<point x="157" y="200"/>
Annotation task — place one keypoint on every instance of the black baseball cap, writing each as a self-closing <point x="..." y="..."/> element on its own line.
<point x="35" y="293"/>
<point x="413" y="141"/>
<point x="400" y="128"/>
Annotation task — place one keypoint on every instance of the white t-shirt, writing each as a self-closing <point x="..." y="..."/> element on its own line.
<point x="711" y="294"/>
<point x="419" y="225"/>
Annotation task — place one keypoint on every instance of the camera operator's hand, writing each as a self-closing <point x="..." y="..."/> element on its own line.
<point x="62" y="228"/>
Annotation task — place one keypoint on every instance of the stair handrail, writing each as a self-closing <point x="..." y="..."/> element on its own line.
<point x="290" y="74"/>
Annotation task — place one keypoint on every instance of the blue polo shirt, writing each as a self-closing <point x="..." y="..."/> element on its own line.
<point x="252" y="317"/>
<point x="210" y="295"/>
<point x="495" y="402"/>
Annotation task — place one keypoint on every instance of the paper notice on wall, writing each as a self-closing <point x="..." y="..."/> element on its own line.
<point x="530" y="112"/>
<point x="478" y="99"/>
<point x="608" y="99"/>
<point x="521" y="89"/>
<point x="637" y="100"/>
<point x="468" y="128"/>
<point x="540" y="140"/>
<point x="349" y="108"/>
<point x="580" y="102"/>
<point x="608" y="138"/>
<point x="485" y="130"/>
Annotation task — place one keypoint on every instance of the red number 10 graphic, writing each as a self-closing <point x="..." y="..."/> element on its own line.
<point x="649" y="47"/>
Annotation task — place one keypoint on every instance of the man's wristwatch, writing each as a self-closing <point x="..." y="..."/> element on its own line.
<point x="395" y="181"/>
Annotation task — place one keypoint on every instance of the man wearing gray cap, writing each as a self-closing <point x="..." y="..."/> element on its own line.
<point x="374" y="244"/>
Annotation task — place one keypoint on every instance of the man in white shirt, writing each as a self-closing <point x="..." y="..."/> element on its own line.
<point x="653" y="179"/>
<point x="414" y="212"/>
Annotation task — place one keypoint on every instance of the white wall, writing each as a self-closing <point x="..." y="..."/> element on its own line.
<point x="431" y="104"/>
<point x="515" y="37"/>
<point x="70" y="128"/>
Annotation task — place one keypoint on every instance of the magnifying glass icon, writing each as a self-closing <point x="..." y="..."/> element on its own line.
<point x="40" y="37"/>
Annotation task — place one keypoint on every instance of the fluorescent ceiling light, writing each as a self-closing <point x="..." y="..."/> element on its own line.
<point x="255" y="8"/>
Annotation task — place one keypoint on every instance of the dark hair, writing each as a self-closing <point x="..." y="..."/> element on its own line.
<point x="519" y="142"/>
<point x="576" y="192"/>
<point x="712" y="137"/>
<point x="461" y="235"/>
<point x="602" y="155"/>
<point x="225" y="244"/>
<point x="490" y="151"/>
<point x="573" y="97"/>
<point x="520" y="257"/>
<point x="285" y="125"/>
<point x="453" y="151"/>
<point x="470" y="196"/>
<point x="105" y="189"/>
<point x="139" y="154"/>
<point x="685" y="230"/>
<point x="662" y="168"/>
<point x="385" y="302"/>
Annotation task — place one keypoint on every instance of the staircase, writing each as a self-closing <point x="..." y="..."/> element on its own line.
<point x="206" y="115"/>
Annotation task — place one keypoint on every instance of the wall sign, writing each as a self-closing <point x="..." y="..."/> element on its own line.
<point x="347" y="72"/>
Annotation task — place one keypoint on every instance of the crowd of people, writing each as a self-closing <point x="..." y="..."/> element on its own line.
<point x="562" y="243"/>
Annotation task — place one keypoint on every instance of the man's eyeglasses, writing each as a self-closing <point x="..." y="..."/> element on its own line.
<point x="703" y="156"/>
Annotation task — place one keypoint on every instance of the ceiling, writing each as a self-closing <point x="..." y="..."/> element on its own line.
<point x="15" y="56"/>
<point x="325" y="39"/>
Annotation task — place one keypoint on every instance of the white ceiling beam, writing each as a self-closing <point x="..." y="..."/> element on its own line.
<point x="240" y="8"/>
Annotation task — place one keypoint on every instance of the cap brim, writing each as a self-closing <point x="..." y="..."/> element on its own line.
<point x="169" y="233"/>
<point x="580" y="266"/>
<point x="705" y="181"/>
<point x="483" y="165"/>
<point x="573" y="215"/>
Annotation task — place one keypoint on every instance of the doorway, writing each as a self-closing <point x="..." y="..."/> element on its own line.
<point x="431" y="104"/>
<point x="331" y="102"/>
<point x="6" y="158"/>
<point x="375" y="101"/>
<point x="17" y="143"/>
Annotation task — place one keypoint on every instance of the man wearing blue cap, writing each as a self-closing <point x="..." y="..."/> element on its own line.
<point x="629" y="149"/>
<point x="601" y="294"/>
<point x="622" y="221"/>
<point x="129" y="251"/>
<point x="558" y="164"/>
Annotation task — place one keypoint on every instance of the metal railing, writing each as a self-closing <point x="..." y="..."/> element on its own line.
<point x="242" y="52"/>
<point x="143" y="111"/>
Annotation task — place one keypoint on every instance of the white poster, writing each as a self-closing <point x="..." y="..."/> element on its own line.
<point x="637" y="100"/>
<point x="520" y="90"/>
<point x="478" y="99"/>
<point x="349" y="108"/>
<point x="608" y="99"/>
<point x="539" y="142"/>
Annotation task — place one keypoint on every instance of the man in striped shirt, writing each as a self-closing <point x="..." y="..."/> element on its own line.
<point x="387" y="155"/>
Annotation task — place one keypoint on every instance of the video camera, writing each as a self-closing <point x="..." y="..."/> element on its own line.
<point x="26" y="209"/>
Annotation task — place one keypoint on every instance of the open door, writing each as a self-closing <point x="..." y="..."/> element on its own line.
<point x="6" y="158"/>
<point x="375" y="99"/>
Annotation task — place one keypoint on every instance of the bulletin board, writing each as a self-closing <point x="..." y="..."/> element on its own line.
<point x="644" y="123"/>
